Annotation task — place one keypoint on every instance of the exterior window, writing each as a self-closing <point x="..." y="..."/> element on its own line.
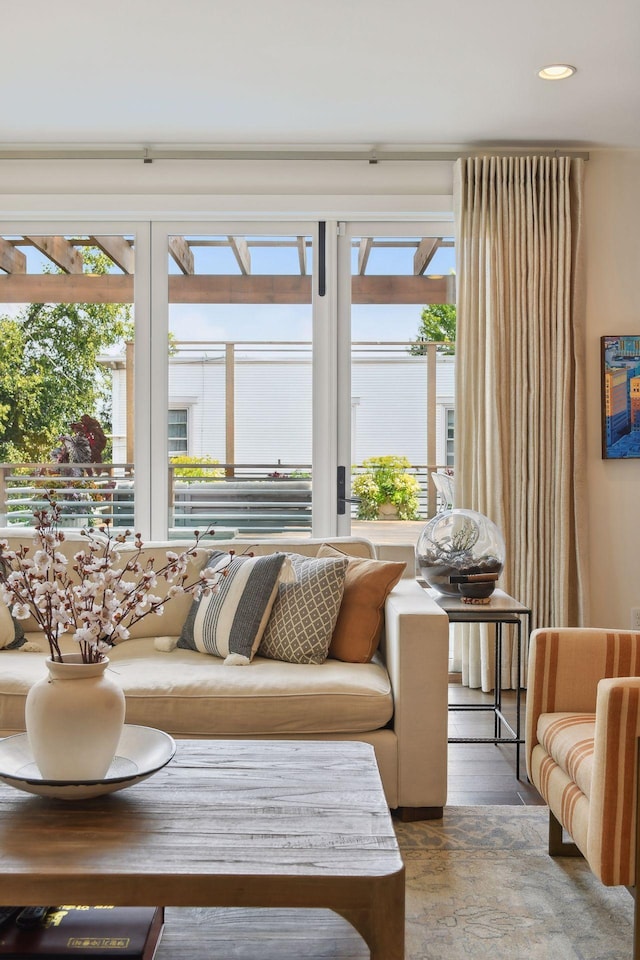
<point x="178" y="432"/>
<point x="450" y="421"/>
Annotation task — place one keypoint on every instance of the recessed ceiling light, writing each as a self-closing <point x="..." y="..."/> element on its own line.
<point x="556" y="71"/>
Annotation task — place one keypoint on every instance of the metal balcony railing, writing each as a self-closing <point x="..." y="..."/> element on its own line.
<point x="86" y="493"/>
<point x="247" y="498"/>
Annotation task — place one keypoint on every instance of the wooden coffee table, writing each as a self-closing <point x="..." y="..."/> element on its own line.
<point x="228" y="823"/>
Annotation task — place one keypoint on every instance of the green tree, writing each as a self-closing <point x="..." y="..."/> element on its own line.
<point x="49" y="371"/>
<point x="437" y="323"/>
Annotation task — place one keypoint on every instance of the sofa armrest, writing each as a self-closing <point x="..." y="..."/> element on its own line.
<point x="565" y="667"/>
<point x="415" y="648"/>
<point x="612" y="803"/>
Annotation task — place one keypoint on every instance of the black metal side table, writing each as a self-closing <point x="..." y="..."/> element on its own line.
<point x="502" y="609"/>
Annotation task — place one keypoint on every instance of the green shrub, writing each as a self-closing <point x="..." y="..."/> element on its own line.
<point x="202" y="472"/>
<point x="386" y="481"/>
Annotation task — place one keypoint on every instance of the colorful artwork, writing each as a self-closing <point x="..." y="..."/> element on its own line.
<point x="620" y="397"/>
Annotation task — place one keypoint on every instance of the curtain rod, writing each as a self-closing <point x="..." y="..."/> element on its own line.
<point x="148" y="155"/>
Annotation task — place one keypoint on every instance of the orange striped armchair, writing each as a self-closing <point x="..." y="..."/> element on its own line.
<point x="582" y="729"/>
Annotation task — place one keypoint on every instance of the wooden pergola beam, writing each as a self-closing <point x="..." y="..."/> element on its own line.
<point x="243" y="289"/>
<point x="11" y="260"/>
<point x="182" y="254"/>
<point x="399" y="289"/>
<point x="116" y="288"/>
<point x="61" y="288"/>
<point x="364" y="249"/>
<point x="241" y="252"/>
<point x="301" y="243"/>
<point x="424" y="254"/>
<point x="119" y="250"/>
<point x="60" y="252"/>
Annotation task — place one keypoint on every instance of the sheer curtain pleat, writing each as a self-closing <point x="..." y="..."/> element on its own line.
<point x="520" y="433"/>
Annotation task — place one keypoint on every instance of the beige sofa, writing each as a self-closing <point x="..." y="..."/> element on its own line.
<point x="397" y="703"/>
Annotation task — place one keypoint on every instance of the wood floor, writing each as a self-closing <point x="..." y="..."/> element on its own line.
<point x="484" y="773"/>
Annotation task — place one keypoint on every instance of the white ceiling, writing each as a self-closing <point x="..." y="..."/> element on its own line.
<point x="373" y="73"/>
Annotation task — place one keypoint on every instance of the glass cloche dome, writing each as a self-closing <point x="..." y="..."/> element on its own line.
<point x="460" y="543"/>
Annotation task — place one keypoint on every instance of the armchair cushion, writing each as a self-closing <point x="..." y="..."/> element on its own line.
<point x="568" y="738"/>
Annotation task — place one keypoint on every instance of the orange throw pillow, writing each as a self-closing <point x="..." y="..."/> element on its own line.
<point x="366" y="587"/>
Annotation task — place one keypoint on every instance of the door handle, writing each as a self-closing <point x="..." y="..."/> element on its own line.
<point x="343" y="500"/>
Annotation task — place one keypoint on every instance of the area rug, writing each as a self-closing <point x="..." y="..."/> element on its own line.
<point x="480" y="884"/>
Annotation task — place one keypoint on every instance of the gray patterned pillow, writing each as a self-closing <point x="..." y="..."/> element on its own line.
<point x="305" y="612"/>
<point x="229" y="623"/>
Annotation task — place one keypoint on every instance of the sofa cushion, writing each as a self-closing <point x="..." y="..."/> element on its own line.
<point x="72" y="542"/>
<point x="175" y="611"/>
<point x="25" y="536"/>
<point x="305" y="612"/>
<point x="229" y="621"/>
<point x="190" y="694"/>
<point x="568" y="738"/>
<point x="350" y="546"/>
<point x="367" y="585"/>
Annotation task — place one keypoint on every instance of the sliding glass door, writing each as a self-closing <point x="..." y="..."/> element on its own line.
<point x="253" y="377"/>
<point x="396" y="384"/>
<point x="233" y="379"/>
<point x="68" y="333"/>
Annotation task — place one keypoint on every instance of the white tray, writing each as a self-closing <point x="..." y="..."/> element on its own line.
<point x="142" y="751"/>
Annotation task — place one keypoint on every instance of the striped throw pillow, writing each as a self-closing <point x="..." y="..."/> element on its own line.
<point x="229" y="622"/>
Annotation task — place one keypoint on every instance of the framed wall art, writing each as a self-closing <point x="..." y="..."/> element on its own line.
<point x="620" y="364"/>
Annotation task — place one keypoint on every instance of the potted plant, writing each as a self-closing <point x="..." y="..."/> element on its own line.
<point x="386" y="490"/>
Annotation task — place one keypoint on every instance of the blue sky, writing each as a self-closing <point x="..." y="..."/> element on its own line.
<point x="283" y="321"/>
<point x="293" y="322"/>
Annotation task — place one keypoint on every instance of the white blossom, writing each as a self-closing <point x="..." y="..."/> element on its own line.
<point x="85" y="635"/>
<point x="114" y="589"/>
<point x="20" y="611"/>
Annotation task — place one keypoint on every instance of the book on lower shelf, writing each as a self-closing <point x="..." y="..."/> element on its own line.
<point x="85" y="933"/>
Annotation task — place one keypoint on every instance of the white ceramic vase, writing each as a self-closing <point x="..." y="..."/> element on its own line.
<point x="74" y="718"/>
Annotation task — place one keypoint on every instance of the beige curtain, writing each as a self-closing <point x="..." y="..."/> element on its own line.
<point x="519" y="438"/>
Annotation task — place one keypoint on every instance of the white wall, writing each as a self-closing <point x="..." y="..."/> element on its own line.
<point x="612" y="218"/>
<point x="115" y="187"/>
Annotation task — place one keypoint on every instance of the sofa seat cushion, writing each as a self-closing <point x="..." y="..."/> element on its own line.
<point x="191" y="694"/>
<point x="568" y="738"/>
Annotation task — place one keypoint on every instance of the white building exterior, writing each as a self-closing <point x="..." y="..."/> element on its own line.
<point x="273" y="407"/>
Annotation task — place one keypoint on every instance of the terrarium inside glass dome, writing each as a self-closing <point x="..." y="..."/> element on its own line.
<point x="461" y="552"/>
